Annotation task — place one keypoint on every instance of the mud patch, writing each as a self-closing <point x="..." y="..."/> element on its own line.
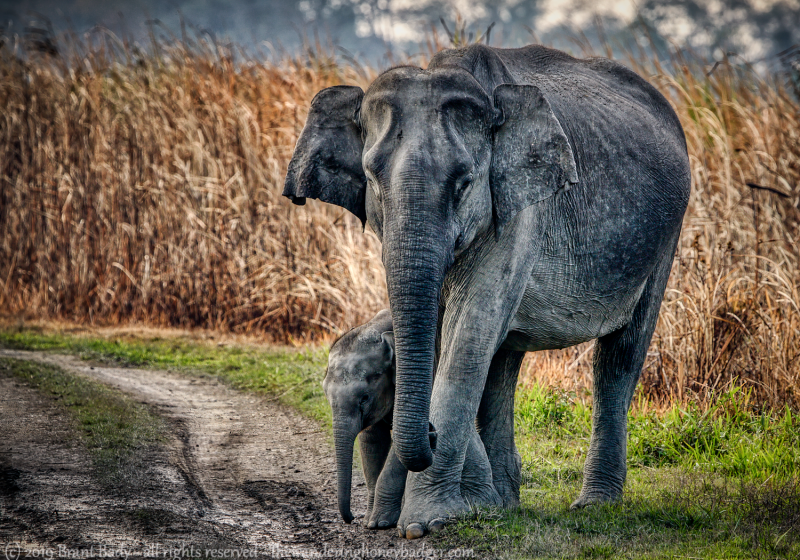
<point x="271" y="494"/>
<point x="8" y="481"/>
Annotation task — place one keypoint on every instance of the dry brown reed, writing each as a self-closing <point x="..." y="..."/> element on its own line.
<point x="145" y="187"/>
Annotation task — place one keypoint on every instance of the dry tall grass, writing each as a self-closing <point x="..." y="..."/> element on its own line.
<point x="146" y="187"/>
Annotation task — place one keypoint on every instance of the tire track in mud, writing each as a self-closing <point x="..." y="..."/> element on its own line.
<point x="240" y="471"/>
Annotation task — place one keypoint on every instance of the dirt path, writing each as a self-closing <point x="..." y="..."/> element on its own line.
<point x="241" y="472"/>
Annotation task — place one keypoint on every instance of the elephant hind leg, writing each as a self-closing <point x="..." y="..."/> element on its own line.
<point x="496" y="424"/>
<point x="617" y="364"/>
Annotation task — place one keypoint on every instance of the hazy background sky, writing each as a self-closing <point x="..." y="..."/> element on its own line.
<point x="755" y="29"/>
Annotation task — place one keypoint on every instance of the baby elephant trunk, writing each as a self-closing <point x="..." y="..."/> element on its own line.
<point x="344" y="435"/>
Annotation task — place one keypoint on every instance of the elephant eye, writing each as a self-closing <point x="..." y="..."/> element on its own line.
<point x="364" y="400"/>
<point x="465" y="182"/>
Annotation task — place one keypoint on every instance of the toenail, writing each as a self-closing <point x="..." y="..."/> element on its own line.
<point x="436" y="525"/>
<point x="414" y="531"/>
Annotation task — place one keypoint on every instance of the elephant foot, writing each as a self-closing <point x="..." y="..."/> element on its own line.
<point x="427" y="511"/>
<point x="594" y="498"/>
<point x="509" y="495"/>
<point x="477" y="485"/>
<point x="384" y="516"/>
<point x="481" y="496"/>
<point x="478" y="490"/>
<point x="603" y="478"/>
<point x="507" y="478"/>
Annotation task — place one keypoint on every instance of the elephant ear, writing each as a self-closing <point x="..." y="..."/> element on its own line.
<point x="388" y="345"/>
<point x="387" y="339"/>
<point x="326" y="164"/>
<point x="531" y="157"/>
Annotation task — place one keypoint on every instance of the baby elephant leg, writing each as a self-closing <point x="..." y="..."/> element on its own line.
<point x="388" y="494"/>
<point x="374" y="445"/>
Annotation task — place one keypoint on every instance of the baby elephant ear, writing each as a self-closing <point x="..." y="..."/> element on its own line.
<point x="327" y="159"/>
<point x="388" y="344"/>
<point x="388" y="349"/>
<point x="531" y="157"/>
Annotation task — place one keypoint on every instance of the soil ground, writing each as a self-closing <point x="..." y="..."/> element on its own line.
<point x="238" y="473"/>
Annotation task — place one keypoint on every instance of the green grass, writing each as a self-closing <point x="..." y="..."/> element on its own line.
<point x="729" y="438"/>
<point x="715" y="483"/>
<point x="112" y="426"/>
<point x="664" y="515"/>
<point x="720" y="483"/>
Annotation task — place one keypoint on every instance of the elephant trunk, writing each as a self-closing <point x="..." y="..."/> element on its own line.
<point x="415" y="270"/>
<point x="344" y="436"/>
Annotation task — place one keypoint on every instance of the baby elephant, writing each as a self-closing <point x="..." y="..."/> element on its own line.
<point x="359" y="384"/>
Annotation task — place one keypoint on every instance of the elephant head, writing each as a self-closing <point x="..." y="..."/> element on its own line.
<point x="359" y="385"/>
<point x="433" y="161"/>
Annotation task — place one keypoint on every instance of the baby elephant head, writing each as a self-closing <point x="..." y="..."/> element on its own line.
<point x="359" y="385"/>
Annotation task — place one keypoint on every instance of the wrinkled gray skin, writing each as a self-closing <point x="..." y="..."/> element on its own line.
<point x="537" y="200"/>
<point x="359" y="385"/>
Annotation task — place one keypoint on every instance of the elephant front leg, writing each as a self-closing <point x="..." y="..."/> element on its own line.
<point x="483" y="292"/>
<point x="496" y="424"/>
<point x="374" y="445"/>
<point x="435" y="494"/>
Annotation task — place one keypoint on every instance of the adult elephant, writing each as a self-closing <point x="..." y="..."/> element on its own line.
<point x="535" y="198"/>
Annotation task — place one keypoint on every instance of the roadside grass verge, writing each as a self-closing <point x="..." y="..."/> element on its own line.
<point x="729" y="437"/>
<point x="112" y="426"/>
<point x="291" y="377"/>
<point x="717" y="481"/>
